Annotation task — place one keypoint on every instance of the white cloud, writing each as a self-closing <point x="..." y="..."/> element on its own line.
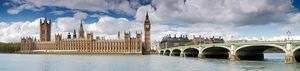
<point x="214" y="17"/>
<point x="124" y="8"/>
<point x="194" y="17"/>
<point x="20" y="5"/>
<point x="13" y="11"/>
<point x="238" y="13"/>
<point x="293" y="23"/>
<point x="94" y="15"/>
<point x="120" y="6"/>
<point x="80" y="15"/>
<point x="274" y="38"/>
<point x="58" y="12"/>
<point x="6" y="4"/>
<point x="12" y="32"/>
<point x="67" y="24"/>
<point x="161" y="28"/>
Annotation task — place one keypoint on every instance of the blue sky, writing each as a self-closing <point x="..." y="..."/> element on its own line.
<point x="296" y="3"/>
<point x="30" y="15"/>
<point x="242" y="19"/>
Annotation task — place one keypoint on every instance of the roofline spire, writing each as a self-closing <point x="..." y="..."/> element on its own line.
<point x="147" y="15"/>
<point x="81" y="25"/>
<point x="45" y="20"/>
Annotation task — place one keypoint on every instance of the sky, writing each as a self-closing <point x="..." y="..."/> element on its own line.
<point x="240" y="19"/>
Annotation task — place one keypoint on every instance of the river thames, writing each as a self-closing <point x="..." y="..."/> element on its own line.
<point x="65" y="62"/>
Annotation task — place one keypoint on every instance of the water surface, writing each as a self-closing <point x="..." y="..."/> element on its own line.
<point x="63" y="62"/>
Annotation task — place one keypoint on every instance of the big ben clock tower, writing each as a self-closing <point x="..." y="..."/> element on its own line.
<point x="147" y="27"/>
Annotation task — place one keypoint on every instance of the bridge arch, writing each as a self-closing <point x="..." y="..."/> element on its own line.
<point x="191" y="52"/>
<point x="176" y="52"/>
<point x="190" y="48"/>
<point x="161" y="52"/>
<point x="220" y="52"/>
<point x="225" y="47"/>
<point x="296" y="52"/>
<point x="255" y="52"/>
<point x="167" y="52"/>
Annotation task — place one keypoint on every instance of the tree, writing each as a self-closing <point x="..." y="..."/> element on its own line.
<point x="9" y="47"/>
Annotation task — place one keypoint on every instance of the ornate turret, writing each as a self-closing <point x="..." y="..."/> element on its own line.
<point x="175" y="36"/>
<point x="57" y="37"/>
<point x="74" y="34"/>
<point x="45" y="20"/>
<point x="186" y="36"/>
<point x="81" y="31"/>
<point x="90" y="36"/>
<point x="41" y="22"/>
<point x="69" y="35"/>
<point x="126" y="35"/>
<point x="119" y="36"/>
<point x="138" y="36"/>
<point x="45" y="30"/>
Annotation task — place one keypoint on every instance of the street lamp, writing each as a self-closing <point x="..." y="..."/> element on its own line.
<point x="288" y="33"/>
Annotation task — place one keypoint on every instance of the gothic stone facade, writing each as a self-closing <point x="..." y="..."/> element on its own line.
<point x="126" y="45"/>
<point x="87" y="44"/>
<point x="168" y="41"/>
<point x="202" y="40"/>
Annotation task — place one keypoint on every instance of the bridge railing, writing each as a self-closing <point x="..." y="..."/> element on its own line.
<point x="242" y="42"/>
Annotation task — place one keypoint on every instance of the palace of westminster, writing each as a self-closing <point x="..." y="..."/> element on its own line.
<point x="87" y="44"/>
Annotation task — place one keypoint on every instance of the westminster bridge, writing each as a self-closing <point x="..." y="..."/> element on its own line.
<point x="251" y="50"/>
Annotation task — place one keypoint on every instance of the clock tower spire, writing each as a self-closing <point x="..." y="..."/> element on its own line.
<point x="147" y="27"/>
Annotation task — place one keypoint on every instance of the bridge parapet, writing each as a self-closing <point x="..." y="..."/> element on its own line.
<point x="295" y="43"/>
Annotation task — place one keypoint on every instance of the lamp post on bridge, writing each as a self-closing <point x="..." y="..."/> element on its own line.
<point x="289" y="56"/>
<point x="288" y="33"/>
<point x="231" y="38"/>
<point x="232" y="55"/>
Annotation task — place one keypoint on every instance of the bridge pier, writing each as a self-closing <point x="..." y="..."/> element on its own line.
<point x="289" y="56"/>
<point x="200" y="55"/>
<point x="182" y="54"/>
<point x="171" y="54"/>
<point x="233" y="57"/>
<point x="289" y="59"/>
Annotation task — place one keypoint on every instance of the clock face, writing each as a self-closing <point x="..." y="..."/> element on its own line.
<point x="147" y="26"/>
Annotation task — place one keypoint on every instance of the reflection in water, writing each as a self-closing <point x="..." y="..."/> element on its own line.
<point x="276" y="57"/>
<point x="40" y="62"/>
